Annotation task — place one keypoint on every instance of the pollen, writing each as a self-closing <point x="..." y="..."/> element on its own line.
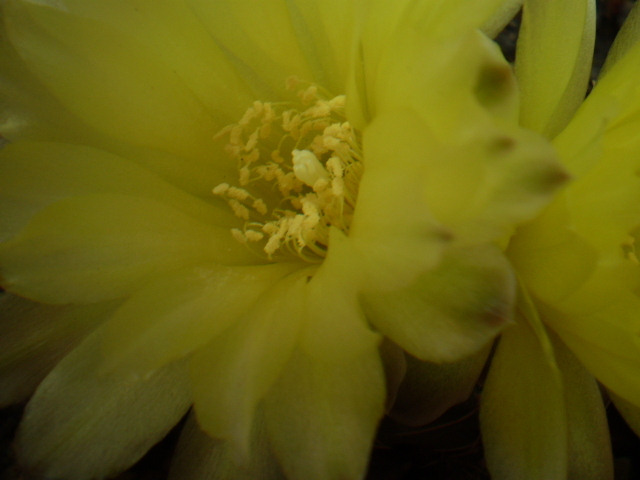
<point x="299" y="167"/>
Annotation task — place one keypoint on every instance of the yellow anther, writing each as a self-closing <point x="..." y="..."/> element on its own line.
<point x="300" y="176"/>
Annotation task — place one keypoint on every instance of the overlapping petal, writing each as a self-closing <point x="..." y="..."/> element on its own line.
<point x="79" y="425"/>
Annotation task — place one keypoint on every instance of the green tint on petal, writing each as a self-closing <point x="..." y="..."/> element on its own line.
<point x="522" y="414"/>
<point x="34" y="337"/>
<point x="551" y="258"/>
<point x="428" y="389"/>
<point x="35" y="174"/>
<point x="322" y="415"/>
<point x="81" y="426"/>
<point x="98" y="247"/>
<point x="268" y="41"/>
<point x="605" y="341"/>
<point x="451" y="311"/>
<point x="501" y="18"/>
<point x="336" y="328"/>
<point x="233" y="372"/>
<point x="111" y="81"/>
<point x="553" y="81"/>
<point x="178" y="313"/>
<point x="392" y="226"/>
<point x="200" y="457"/>
<point x="456" y="115"/>
<point x="590" y="455"/>
<point x="626" y="38"/>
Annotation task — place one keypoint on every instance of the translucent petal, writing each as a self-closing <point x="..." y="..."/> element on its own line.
<point x="523" y="415"/>
<point x="605" y="341"/>
<point x="322" y="415"/>
<point x="452" y="310"/>
<point x="34" y="337"/>
<point x="267" y="42"/>
<point x="27" y="108"/>
<point x="200" y="457"/>
<point x="590" y="455"/>
<point x="384" y="22"/>
<point x="35" y="174"/>
<point x="429" y="389"/>
<point x="180" y="312"/>
<point x="135" y="94"/>
<point x="232" y="373"/>
<point x="96" y="247"/>
<point x="553" y="81"/>
<point x="81" y="426"/>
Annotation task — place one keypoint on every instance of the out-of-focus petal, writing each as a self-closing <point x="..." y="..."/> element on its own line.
<point x="589" y="452"/>
<point x="268" y="42"/>
<point x="34" y="175"/>
<point x="501" y="18"/>
<point x="428" y="389"/>
<point x="455" y="113"/>
<point x="34" y="337"/>
<point x="392" y="226"/>
<point x="201" y="457"/>
<point x="97" y="247"/>
<point x="81" y="426"/>
<point x="553" y="81"/>
<point x="605" y="340"/>
<point x="176" y="314"/>
<point x="232" y="373"/>
<point x="522" y="414"/>
<point x="322" y="415"/>
<point x="625" y="39"/>
<point x="385" y="22"/>
<point x="451" y="311"/>
<point x="135" y="94"/>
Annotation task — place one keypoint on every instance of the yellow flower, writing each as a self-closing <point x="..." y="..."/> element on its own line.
<point x="542" y="412"/>
<point x="238" y="199"/>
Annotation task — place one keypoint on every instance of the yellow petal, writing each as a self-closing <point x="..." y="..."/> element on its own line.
<point x="79" y="425"/>
<point x="233" y="372"/>
<point x="336" y="327"/>
<point x="501" y="17"/>
<point x="34" y="337"/>
<point x="589" y="452"/>
<point x="384" y="31"/>
<point x="626" y="38"/>
<point x="180" y="312"/>
<point x="97" y="247"/>
<point x="605" y="341"/>
<point x="393" y="227"/>
<point x="522" y="415"/>
<point x="201" y="457"/>
<point x="322" y="416"/>
<point x="134" y="95"/>
<point x="451" y="311"/>
<point x="35" y="174"/>
<point x="267" y="42"/>
<point x="428" y="389"/>
<point x="553" y="81"/>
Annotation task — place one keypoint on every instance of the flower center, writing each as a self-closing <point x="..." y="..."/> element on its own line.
<point x="299" y="168"/>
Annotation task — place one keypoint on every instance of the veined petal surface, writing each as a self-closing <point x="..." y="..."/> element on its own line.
<point x="81" y="426"/>
<point x="98" y="247"/>
<point x="553" y="81"/>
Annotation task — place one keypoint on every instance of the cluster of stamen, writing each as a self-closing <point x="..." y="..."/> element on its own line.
<point x="299" y="169"/>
